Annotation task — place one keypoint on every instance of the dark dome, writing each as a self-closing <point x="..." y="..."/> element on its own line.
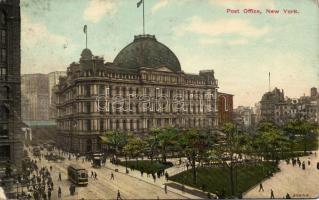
<point x="86" y="54"/>
<point x="146" y="51"/>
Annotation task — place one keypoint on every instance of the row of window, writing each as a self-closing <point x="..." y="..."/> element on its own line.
<point x="128" y="125"/>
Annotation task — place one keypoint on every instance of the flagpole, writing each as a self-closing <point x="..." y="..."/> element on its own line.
<point x="143" y="19"/>
<point x="269" y="82"/>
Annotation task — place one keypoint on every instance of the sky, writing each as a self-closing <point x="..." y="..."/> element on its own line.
<point x="241" y="48"/>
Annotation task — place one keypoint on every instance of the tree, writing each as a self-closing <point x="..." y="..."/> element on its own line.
<point x="153" y="143"/>
<point x="196" y="144"/>
<point x="231" y="147"/>
<point x="116" y="140"/>
<point x="134" y="147"/>
<point x="272" y="141"/>
<point x="302" y="129"/>
<point x="167" y="140"/>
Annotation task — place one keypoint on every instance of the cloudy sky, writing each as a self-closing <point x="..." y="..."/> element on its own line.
<point x="241" y="48"/>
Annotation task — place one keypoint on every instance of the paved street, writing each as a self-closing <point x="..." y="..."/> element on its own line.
<point x="297" y="182"/>
<point x="130" y="186"/>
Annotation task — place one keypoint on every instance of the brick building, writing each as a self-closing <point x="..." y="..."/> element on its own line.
<point x="225" y="108"/>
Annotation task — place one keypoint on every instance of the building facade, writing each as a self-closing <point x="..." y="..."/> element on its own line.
<point x="284" y="109"/>
<point x="10" y="93"/>
<point x="244" y="118"/>
<point x="144" y="87"/>
<point x="53" y="82"/>
<point x="225" y="108"/>
<point x="35" y="97"/>
<point x="268" y="104"/>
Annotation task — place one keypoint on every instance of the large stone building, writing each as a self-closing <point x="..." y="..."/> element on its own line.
<point x="10" y="93"/>
<point x="94" y="97"/>
<point x="35" y="97"/>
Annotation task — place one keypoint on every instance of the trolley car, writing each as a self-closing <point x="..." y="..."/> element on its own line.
<point x="78" y="175"/>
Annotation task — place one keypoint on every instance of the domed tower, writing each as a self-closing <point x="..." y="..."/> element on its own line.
<point x="146" y="51"/>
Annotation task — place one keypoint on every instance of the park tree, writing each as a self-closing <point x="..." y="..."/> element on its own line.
<point x="271" y="141"/>
<point x="135" y="147"/>
<point x="116" y="140"/>
<point x="231" y="147"/>
<point x="303" y="129"/>
<point x="195" y="144"/>
<point x="153" y="143"/>
<point x="167" y="138"/>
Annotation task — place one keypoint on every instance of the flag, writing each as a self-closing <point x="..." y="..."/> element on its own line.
<point x="139" y="3"/>
<point x="84" y="28"/>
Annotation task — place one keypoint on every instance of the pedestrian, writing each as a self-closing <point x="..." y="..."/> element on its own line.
<point x="71" y="189"/>
<point x="288" y="196"/>
<point x="112" y="176"/>
<point x="60" y="176"/>
<point x="59" y="192"/>
<point x="166" y="176"/>
<point x="272" y="196"/>
<point x="49" y="194"/>
<point x="95" y="175"/>
<point x="165" y="188"/>
<point x="308" y="161"/>
<point x="261" y="187"/>
<point x="158" y="174"/>
<point x="154" y="177"/>
<point x="142" y="172"/>
<point x="51" y="185"/>
<point x="92" y="174"/>
<point x="118" y="195"/>
<point x="303" y="165"/>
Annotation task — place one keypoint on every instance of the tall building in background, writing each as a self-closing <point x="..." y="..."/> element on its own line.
<point x="268" y="104"/>
<point x="10" y="93"/>
<point x="53" y="82"/>
<point x="35" y="96"/>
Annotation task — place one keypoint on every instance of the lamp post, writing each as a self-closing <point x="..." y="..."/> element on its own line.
<point x="17" y="188"/>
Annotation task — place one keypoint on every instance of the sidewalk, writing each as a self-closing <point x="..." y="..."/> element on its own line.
<point x="159" y="181"/>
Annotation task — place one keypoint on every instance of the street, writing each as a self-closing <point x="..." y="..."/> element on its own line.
<point x="104" y="188"/>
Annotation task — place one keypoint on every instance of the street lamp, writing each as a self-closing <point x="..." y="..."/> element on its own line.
<point x="17" y="188"/>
